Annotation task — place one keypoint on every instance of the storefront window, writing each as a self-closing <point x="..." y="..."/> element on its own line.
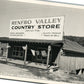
<point x="41" y="54"/>
<point x="18" y="51"/>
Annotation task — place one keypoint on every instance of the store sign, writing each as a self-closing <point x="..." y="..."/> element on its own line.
<point x="38" y="28"/>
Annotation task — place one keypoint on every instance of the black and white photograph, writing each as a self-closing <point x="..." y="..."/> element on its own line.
<point x="42" y="42"/>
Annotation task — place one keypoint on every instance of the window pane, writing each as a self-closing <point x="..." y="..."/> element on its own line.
<point x="13" y="53"/>
<point x="21" y="53"/>
<point x="17" y="53"/>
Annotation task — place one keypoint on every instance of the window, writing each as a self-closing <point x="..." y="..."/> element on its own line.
<point x="18" y="51"/>
<point x="41" y="54"/>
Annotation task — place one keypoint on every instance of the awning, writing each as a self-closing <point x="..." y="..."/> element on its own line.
<point x="48" y="42"/>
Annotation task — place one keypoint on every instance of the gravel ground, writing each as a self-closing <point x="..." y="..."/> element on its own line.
<point x="15" y="70"/>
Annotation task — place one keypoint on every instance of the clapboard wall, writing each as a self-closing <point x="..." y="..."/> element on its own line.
<point x="70" y="60"/>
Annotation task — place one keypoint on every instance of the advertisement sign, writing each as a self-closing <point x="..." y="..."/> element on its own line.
<point x="50" y="28"/>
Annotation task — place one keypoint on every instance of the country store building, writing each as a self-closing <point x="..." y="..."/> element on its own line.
<point x="36" y="47"/>
<point x="39" y="51"/>
<point x="67" y="55"/>
<point x="41" y="40"/>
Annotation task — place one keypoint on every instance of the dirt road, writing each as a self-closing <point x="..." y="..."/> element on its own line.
<point x="36" y="73"/>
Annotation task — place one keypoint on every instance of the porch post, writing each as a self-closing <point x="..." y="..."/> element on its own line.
<point x="49" y="49"/>
<point x="7" y="52"/>
<point x="25" y="55"/>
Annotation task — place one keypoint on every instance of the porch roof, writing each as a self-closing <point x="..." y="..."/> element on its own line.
<point x="67" y="44"/>
<point x="51" y="42"/>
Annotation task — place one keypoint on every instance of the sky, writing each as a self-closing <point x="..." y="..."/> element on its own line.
<point x="11" y="10"/>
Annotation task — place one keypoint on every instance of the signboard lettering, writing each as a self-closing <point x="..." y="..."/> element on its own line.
<point x="38" y="28"/>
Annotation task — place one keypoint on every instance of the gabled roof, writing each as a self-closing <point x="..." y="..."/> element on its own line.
<point x="73" y="46"/>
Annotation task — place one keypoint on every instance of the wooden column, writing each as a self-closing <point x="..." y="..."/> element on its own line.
<point x="59" y="55"/>
<point x="25" y="48"/>
<point x="49" y="49"/>
<point x="7" y="51"/>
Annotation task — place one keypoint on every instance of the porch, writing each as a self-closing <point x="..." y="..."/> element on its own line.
<point x="32" y="52"/>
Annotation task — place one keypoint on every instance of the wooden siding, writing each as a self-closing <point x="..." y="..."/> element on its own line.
<point x="71" y="62"/>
